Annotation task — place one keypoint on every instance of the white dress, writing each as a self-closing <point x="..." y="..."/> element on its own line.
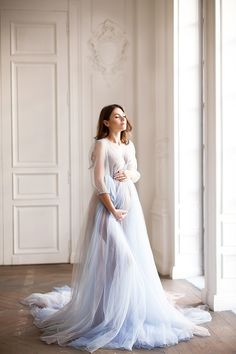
<point x="116" y="299"/>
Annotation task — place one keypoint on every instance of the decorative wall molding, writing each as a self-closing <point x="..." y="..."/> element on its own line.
<point x="35" y="185"/>
<point x="108" y="46"/>
<point x="22" y="34"/>
<point x="23" y="75"/>
<point x="45" y="219"/>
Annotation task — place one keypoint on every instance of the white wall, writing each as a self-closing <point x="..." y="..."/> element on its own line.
<point x="161" y="211"/>
<point x="123" y="74"/>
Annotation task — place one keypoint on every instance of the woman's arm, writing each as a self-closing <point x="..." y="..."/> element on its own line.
<point x="98" y="159"/>
<point x="131" y="171"/>
<point x="119" y="214"/>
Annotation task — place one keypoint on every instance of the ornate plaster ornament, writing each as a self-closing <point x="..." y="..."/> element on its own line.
<point x="108" y="45"/>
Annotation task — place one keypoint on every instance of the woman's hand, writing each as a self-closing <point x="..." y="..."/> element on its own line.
<point x="122" y="175"/>
<point x="120" y="214"/>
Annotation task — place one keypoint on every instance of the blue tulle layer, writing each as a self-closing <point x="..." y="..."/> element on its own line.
<point x="116" y="299"/>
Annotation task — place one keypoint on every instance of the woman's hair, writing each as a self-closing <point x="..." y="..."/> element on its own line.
<point x="103" y="130"/>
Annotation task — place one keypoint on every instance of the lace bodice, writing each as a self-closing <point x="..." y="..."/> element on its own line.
<point x="108" y="158"/>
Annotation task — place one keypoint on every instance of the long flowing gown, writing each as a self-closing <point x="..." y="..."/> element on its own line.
<point x="116" y="299"/>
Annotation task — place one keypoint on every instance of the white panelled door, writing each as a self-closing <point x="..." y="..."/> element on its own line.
<point x="35" y="137"/>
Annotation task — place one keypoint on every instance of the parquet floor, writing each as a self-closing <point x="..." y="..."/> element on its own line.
<point x="19" y="336"/>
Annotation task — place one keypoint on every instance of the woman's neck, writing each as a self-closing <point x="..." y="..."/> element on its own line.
<point x="114" y="137"/>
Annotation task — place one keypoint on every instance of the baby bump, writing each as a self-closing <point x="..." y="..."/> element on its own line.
<point x="120" y="192"/>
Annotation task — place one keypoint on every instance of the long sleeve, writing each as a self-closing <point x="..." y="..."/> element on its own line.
<point x="132" y="164"/>
<point x="98" y="157"/>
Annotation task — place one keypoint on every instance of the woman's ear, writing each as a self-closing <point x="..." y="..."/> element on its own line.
<point x="105" y="122"/>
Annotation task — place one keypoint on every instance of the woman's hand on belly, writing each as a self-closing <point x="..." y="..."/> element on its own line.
<point x="120" y="214"/>
<point x="122" y="175"/>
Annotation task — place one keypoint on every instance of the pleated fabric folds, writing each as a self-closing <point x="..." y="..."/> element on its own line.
<point x="116" y="299"/>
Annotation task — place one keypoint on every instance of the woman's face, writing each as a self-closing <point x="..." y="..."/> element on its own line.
<point x="117" y="122"/>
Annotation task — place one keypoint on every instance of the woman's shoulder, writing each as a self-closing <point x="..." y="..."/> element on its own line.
<point x="97" y="148"/>
<point x="100" y="144"/>
<point x="101" y="141"/>
<point x="131" y="145"/>
<point x="131" y="142"/>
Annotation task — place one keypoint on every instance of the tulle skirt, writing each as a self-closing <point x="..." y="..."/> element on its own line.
<point x="116" y="299"/>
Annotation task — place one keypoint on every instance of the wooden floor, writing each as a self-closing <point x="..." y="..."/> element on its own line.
<point x="19" y="336"/>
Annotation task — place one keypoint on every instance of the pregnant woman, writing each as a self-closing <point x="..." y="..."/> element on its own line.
<point x="116" y="299"/>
